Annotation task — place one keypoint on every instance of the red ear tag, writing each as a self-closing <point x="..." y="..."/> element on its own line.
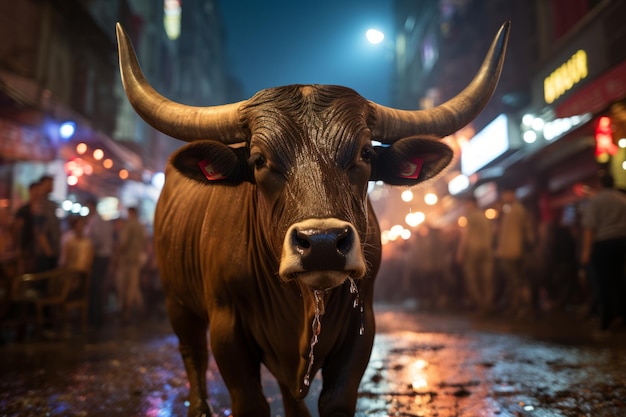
<point x="412" y="168"/>
<point x="209" y="172"/>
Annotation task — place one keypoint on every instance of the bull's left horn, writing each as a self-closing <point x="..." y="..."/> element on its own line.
<point x="174" y="119"/>
<point x="445" y="119"/>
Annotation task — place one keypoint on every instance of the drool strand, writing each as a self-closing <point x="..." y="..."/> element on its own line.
<point x="316" y="328"/>
<point x="357" y="303"/>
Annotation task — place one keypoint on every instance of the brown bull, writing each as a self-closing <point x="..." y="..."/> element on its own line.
<point x="265" y="235"/>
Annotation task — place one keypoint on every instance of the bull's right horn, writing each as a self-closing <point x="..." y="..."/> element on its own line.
<point x="445" y="119"/>
<point x="180" y="121"/>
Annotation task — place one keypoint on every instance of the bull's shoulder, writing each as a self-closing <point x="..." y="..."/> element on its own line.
<point x="203" y="229"/>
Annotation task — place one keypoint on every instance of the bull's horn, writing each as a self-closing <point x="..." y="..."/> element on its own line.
<point x="447" y="118"/>
<point x="174" y="119"/>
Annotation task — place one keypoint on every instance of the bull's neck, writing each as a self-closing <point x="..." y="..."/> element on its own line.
<point x="264" y="256"/>
<point x="299" y="305"/>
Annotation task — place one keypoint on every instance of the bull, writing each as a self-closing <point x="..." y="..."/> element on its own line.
<point x="265" y="235"/>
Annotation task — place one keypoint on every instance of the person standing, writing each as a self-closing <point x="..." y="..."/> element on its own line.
<point x="130" y="249"/>
<point x="23" y="230"/>
<point x="475" y="255"/>
<point x="604" y="249"/>
<point x="515" y="234"/>
<point x="77" y="251"/>
<point x="47" y="228"/>
<point x="100" y="232"/>
<point x="560" y="266"/>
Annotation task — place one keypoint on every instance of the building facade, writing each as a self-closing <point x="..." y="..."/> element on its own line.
<point x="58" y="64"/>
<point x="556" y="119"/>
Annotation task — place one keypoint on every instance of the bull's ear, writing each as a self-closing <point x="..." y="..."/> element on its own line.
<point x="209" y="162"/>
<point x="410" y="161"/>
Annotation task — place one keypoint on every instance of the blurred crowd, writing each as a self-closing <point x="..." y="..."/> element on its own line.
<point x="115" y="257"/>
<point x="514" y="266"/>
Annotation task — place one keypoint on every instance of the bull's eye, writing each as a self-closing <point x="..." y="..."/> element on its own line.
<point x="258" y="160"/>
<point x="366" y="153"/>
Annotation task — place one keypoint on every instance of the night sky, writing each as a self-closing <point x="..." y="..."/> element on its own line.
<point x="274" y="43"/>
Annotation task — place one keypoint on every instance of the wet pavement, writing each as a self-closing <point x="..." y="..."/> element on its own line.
<point x="422" y="365"/>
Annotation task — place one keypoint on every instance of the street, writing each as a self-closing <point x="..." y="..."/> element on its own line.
<point x="423" y="364"/>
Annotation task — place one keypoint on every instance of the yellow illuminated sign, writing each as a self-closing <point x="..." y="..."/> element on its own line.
<point x="565" y="77"/>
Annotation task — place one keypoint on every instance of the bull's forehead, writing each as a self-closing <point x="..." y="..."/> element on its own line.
<point x="309" y="119"/>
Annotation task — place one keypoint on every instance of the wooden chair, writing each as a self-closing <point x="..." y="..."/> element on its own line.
<point x="54" y="295"/>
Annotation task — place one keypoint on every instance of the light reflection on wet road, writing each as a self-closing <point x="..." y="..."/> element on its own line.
<point x="422" y="365"/>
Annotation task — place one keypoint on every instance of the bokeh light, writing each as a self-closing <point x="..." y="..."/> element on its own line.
<point x="431" y="199"/>
<point x="407" y="195"/>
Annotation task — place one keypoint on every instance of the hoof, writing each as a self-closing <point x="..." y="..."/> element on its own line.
<point x="203" y="409"/>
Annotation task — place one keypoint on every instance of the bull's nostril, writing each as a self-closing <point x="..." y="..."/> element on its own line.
<point x="301" y="242"/>
<point x="344" y="241"/>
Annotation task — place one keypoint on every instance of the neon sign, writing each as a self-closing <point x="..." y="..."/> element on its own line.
<point x="604" y="138"/>
<point x="565" y="77"/>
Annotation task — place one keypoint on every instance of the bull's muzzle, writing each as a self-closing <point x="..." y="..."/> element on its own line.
<point x="322" y="253"/>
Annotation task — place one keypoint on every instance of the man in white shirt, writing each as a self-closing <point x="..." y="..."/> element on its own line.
<point x="101" y="234"/>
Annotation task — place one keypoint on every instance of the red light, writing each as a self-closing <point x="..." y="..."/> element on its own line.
<point x="604" y="137"/>
<point x="604" y="124"/>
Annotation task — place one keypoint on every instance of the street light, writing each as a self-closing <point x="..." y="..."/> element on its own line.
<point x="374" y="36"/>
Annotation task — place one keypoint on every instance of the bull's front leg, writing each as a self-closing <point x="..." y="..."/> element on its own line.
<point x="239" y="365"/>
<point x="191" y="332"/>
<point x="293" y="407"/>
<point x="343" y="371"/>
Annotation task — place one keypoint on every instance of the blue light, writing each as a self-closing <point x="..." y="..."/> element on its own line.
<point x="67" y="130"/>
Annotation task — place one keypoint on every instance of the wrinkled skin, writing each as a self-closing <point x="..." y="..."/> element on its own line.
<point x="221" y="244"/>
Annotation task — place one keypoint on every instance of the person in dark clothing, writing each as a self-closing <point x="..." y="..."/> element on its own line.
<point x="561" y="264"/>
<point x="23" y="230"/>
<point x="47" y="228"/>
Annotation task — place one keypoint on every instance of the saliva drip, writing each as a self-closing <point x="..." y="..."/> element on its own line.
<point x="356" y="303"/>
<point x="354" y="290"/>
<point x="316" y="328"/>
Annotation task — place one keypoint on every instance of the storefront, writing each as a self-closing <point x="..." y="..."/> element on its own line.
<point x="84" y="164"/>
<point x="26" y="154"/>
<point x="573" y="128"/>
